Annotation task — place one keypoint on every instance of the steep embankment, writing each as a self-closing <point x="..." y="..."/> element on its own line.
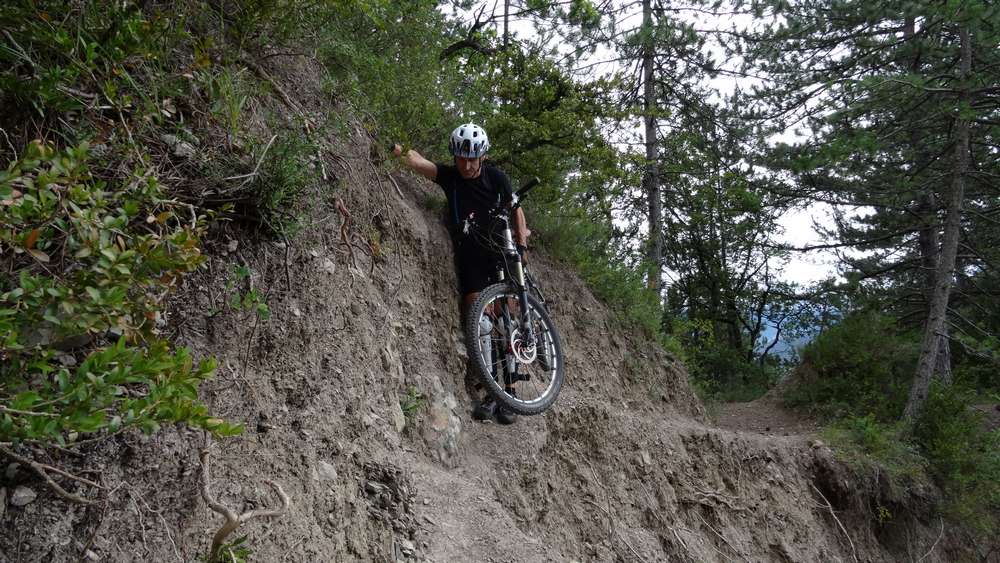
<point x="355" y="401"/>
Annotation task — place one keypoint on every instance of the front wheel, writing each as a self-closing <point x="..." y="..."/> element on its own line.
<point x="523" y="374"/>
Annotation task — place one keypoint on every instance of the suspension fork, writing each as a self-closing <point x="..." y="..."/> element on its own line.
<point x="519" y="281"/>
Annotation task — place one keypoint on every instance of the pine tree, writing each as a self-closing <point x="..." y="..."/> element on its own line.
<point x="902" y="100"/>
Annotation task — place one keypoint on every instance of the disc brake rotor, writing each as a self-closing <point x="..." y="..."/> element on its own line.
<point x="522" y="353"/>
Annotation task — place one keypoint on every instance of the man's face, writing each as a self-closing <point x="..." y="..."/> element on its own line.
<point x="468" y="167"/>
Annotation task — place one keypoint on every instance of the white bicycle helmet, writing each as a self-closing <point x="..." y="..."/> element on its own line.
<point x="469" y="141"/>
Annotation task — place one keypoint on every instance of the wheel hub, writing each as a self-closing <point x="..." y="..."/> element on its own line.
<point x="525" y="352"/>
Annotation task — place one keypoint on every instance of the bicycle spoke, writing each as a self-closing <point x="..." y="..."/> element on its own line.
<point x="508" y="362"/>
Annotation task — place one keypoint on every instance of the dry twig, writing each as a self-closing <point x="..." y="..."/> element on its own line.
<point x="233" y="520"/>
<point x="263" y="75"/>
<point x="43" y="471"/>
<point x="396" y="185"/>
<point x="100" y="520"/>
<point x="612" y="531"/>
<point x="722" y="537"/>
<point x="719" y="498"/>
<point x="616" y="534"/>
<point x="252" y="175"/>
<point x="941" y="533"/>
<point x="839" y="523"/>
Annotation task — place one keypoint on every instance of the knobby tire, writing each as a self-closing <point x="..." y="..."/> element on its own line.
<point x="493" y="386"/>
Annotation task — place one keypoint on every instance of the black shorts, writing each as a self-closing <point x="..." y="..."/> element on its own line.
<point x="477" y="266"/>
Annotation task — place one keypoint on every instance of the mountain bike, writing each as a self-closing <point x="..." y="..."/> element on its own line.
<point x="512" y="341"/>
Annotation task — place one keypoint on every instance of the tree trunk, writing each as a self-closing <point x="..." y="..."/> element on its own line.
<point x="650" y="181"/>
<point x="506" y="18"/>
<point x="928" y="235"/>
<point x="930" y="347"/>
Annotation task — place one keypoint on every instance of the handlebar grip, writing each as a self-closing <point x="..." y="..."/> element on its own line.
<point x="527" y="187"/>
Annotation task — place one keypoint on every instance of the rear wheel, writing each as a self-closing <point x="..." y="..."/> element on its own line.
<point x="506" y="358"/>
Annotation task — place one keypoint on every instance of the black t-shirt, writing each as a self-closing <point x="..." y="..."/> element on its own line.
<point x="472" y="200"/>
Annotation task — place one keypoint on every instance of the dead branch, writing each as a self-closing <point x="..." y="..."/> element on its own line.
<point x="721" y="537"/>
<point x="288" y="275"/>
<point x="43" y="471"/>
<point x="100" y="521"/>
<point x="941" y="533"/>
<point x="616" y="534"/>
<point x="263" y="75"/>
<point x="839" y="523"/>
<point x="232" y="520"/>
<point x="718" y="498"/>
<point x="250" y="176"/>
<point x="612" y="531"/>
<point x="607" y="496"/>
<point x="393" y="180"/>
<point x="342" y="161"/>
<point x="470" y="42"/>
<point x="653" y="508"/>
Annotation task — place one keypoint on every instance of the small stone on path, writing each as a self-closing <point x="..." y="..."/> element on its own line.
<point x="326" y="471"/>
<point x="22" y="496"/>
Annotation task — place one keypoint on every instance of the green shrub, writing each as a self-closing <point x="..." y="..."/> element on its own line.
<point x="383" y="60"/>
<point x="880" y="450"/>
<point x="236" y="551"/>
<point x="862" y="365"/>
<point x="91" y="265"/>
<point x="948" y="444"/>
<point x="229" y="91"/>
<point x="284" y="174"/>
<point x="721" y="373"/>
<point x="412" y="403"/>
<point x="59" y="56"/>
<point x="964" y="457"/>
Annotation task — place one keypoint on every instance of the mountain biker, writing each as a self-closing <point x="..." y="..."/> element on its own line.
<point x="473" y="188"/>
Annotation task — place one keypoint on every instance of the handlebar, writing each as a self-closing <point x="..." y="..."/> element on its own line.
<point x="526" y="187"/>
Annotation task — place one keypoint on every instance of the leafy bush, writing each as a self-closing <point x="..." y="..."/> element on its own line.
<point x="859" y="373"/>
<point x="91" y="266"/>
<point x="861" y="366"/>
<point x="383" y="60"/>
<point x="57" y="50"/>
<point x="721" y="373"/>
<point x="236" y="551"/>
<point x="948" y="444"/>
<point x="888" y="462"/>
<point x="964" y="457"/>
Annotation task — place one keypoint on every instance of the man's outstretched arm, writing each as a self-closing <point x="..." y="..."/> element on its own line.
<point x="521" y="232"/>
<point x="417" y="162"/>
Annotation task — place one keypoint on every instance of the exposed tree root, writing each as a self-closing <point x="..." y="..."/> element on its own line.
<point x="43" y="471"/>
<point x="233" y="520"/>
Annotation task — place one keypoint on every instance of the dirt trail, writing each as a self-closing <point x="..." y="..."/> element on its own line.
<point x="486" y="509"/>
<point x="766" y="415"/>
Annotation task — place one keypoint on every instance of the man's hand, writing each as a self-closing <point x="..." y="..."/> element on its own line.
<point x="414" y="160"/>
